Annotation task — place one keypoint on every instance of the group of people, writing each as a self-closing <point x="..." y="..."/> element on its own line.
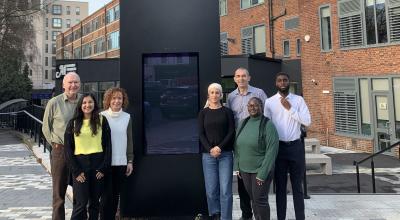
<point x="91" y="148"/>
<point x="259" y="139"/>
<point x="256" y="137"/>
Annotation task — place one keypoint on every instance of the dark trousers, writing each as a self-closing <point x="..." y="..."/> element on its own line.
<point x="113" y="184"/>
<point x="88" y="192"/>
<point x="258" y="195"/>
<point x="245" y="204"/>
<point x="59" y="174"/>
<point x="290" y="160"/>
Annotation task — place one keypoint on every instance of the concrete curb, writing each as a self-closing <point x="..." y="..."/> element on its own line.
<point x="41" y="157"/>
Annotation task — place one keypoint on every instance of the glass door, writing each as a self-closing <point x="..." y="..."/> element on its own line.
<point x="383" y="123"/>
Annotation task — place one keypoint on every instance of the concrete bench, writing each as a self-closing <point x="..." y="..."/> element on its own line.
<point x="314" y="143"/>
<point x="324" y="161"/>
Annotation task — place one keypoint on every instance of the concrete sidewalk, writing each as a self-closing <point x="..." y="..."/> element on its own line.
<point x="25" y="191"/>
<point x="25" y="186"/>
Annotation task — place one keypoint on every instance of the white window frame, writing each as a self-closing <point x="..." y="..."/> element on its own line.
<point x="221" y="11"/>
<point x="250" y="4"/>
<point x="320" y="27"/>
<point x="283" y="48"/>
<point x="58" y="24"/>
<point x="56" y="9"/>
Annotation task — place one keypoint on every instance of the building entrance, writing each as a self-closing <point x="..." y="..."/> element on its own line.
<point x="384" y="121"/>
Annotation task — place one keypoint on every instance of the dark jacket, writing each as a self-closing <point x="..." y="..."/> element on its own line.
<point x="69" y="147"/>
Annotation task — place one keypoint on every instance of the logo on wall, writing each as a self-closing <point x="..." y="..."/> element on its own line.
<point x="64" y="69"/>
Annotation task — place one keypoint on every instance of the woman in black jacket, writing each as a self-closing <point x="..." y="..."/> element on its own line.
<point x="88" y="154"/>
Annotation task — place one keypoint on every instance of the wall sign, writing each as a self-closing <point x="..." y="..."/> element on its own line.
<point x="64" y="69"/>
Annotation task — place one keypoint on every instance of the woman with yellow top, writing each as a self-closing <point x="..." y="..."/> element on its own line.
<point x="88" y="153"/>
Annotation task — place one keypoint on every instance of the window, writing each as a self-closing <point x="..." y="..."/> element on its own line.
<point x="87" y="28"/>
<point x="253" y="39"/>
<point x="396" y="93"/>
<point x="46" y="61"/>
<point x="53" y="61"/>
<point x="68" y="10"/>
<point x="68" y="23"/>
<point x="77" y="34"/>
<point x="223" y="9"/>
<point x="325" y="26"/>
<point x="116" y="12"/>
<point x="56" y="9"/>
<point x="259" y="39"/>
<point x="78" y="20"/>
<point x="86" y="50"/>
<point x="57" y="23"/>
<point x="298" y="47"/>
<point x="365" y="108"/>
<point x="110" y="16"/>
<point x="46" y="48"/>
<point x="77" y="53"/>
<point x="249" y="3"/>
<point x="286" y="48"/>
<point x="47" y="22"/>
<point x="46" y="74"/>
<point x="30" y="72"/>
<point x="53" y="48"/>
<point x="54" y="35"/>
<point x="78" y="11"/>
<point x="99" y="45"/>
<point x="47" y="35"/>
<point x="67" y="39"/>
<point x="113" y="40"/>
<point x="375" y="16"/>
<point x="223" y="45"/>
<point x="368" y="22"/>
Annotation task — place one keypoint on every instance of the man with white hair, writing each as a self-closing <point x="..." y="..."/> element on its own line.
<point x="59" y="111"/>
<point x="237" y="101"/>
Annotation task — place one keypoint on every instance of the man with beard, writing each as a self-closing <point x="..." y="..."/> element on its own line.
<point x="288" y="112"/>
<point x="237" y="101"/>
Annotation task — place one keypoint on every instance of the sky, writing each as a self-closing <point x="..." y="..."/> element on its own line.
<point x="94" y="5"/>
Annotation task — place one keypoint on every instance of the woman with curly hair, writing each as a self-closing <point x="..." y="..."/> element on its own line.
<point x="115" y="100"/>
<point x="88" y="153"/>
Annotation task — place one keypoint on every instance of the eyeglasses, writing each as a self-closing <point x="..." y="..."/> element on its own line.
<point x="253" y="106"/>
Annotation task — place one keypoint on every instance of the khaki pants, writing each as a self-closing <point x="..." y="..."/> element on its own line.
<point x="60" y="174"/>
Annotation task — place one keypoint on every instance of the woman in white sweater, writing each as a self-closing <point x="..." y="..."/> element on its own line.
<point x="115" y="100"/>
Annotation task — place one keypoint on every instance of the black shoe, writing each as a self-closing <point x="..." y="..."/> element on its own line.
<point x="244" y="218"/>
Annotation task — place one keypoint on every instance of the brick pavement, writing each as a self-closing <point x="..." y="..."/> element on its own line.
<point x="25" y="187"/>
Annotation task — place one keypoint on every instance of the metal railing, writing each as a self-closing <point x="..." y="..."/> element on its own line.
<point x="357" y="164"/>
<point x="26" y="121"/>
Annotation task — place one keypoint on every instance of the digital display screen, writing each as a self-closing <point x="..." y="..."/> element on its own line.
<point x="171" y="103"/>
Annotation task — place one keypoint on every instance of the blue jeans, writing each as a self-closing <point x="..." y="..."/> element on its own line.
<point x="218" y="180"/>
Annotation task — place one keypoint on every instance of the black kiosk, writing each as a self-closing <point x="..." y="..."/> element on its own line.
<point x="169" y="55"/>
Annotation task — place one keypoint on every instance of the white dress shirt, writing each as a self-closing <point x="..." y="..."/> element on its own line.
<point x="287" y="122"/>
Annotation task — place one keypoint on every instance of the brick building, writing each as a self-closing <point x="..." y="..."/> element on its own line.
<point x="96" y="36"/>
<point x="348" y="50"/>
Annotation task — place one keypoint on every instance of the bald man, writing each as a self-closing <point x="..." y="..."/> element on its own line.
<point x="59" y="111"/>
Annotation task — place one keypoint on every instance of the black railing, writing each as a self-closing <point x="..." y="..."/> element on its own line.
<point x="357" y="164"/>
<point x="26" y="121"/>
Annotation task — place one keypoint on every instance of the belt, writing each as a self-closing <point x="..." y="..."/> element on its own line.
<point x="289" y="142"/>
<point x="55" y="145"/>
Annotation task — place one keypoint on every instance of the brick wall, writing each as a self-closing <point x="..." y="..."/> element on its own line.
<point x="323" y="66"/>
